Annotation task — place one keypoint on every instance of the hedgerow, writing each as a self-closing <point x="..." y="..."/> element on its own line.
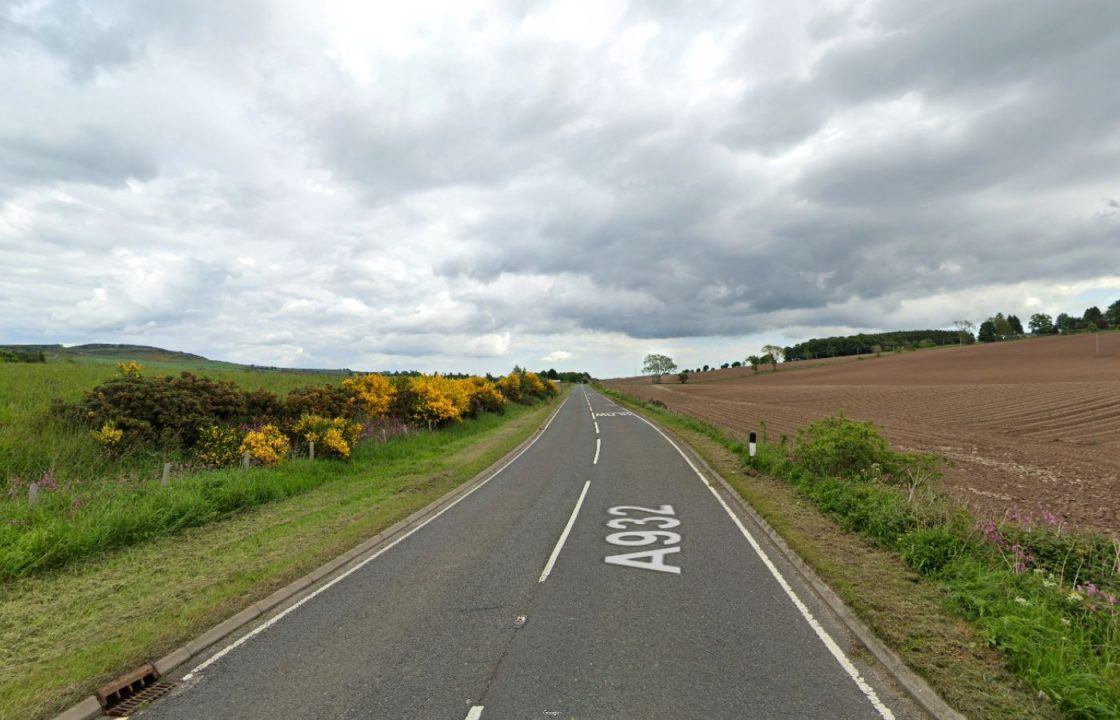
<point x="217" y="422"/>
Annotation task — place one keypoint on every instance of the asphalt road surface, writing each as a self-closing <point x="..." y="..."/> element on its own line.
<point x="597" y="576"/>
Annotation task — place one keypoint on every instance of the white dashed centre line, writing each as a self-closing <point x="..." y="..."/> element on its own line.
<point x="598" y="443"/>
<point x="475" y="713"/>
<point x="563" y="536"/>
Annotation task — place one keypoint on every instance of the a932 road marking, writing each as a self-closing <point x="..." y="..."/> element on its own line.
<point x="632" y="521"/>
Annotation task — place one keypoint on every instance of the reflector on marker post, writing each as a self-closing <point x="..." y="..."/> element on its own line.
<point x="753" y="445"/>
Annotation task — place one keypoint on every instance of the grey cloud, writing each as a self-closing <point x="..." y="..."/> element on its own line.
<point x="85" y="155"/>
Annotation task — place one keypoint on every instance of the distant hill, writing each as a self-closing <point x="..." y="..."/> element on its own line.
<point x="112" y="352"/>
<point x="108" y="351"/>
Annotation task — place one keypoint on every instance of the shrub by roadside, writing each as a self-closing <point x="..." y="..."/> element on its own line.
<point x="195" y="416"/>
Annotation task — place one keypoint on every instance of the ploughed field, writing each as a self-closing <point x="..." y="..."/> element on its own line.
<point x="1029" y="426"/>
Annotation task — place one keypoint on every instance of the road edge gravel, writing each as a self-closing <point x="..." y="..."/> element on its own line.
<point x="89" y="708"/>
<point x="914" y="685"/>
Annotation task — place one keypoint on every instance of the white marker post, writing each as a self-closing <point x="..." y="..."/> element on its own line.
<point x="310" y="449"/>
<point x="752" y="444"/>
<point x="32" y="493"/>
<point x="245" y="460"/>
<point x="166" y="474"/>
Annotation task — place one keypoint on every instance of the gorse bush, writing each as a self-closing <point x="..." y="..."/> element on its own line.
<point x="332" y="436"/>
<point x="485" y="396"/>
<point x="510" y="387"/>
<point x="267" y="445"/>
<point x="432" y="401"/>
<point x="218" y="446"/>
<point x="166" y="412"/>
<point x="324" y="400"/>
<point x="108" y="437"/>
<point x="197" y="414"/>
<point x="374" y="394"/>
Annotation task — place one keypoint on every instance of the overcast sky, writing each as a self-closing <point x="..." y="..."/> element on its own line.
<point x="461" y="186"/>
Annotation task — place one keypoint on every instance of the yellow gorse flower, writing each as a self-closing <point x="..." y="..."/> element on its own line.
<point x="108" y="436"/>
<point x="374" y="392"/>
<point x="332" y="436"/>
<point x="267" y="445"/>
<point x="130" y="368"/>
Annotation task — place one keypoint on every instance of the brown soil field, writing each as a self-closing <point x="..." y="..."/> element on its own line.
<point x="1026" y="426"/>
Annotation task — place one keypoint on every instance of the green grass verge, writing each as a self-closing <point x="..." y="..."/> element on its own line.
<point x="74" y="522"/>
<point x="64" y="632"/>
<point x="1014" y="585"/>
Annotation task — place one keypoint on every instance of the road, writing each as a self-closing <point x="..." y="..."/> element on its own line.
<point x="597" y="576"/>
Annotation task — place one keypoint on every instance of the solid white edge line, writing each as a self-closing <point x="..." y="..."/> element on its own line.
<point x="598" y="443"/>
<point x="279" y="616"/>
<point x="829" y="643"/>
<point x="475" y="713"/>
<point x="564" y="535"/>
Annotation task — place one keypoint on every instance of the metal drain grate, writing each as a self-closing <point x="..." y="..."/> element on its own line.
<point x="133" y="703"/>
<point x="129" y="693"/>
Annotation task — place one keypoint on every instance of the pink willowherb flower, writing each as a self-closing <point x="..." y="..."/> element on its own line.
<point x="991" y="533"/>
<point x="1021" y="560"/>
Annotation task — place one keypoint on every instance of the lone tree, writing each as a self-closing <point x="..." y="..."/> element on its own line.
<point x="964" y="328"/>
<point x="775" y="354"/>
<point x="682" y="378"/>
<point x="755" y="361"/>
<point x="658" y="365"/>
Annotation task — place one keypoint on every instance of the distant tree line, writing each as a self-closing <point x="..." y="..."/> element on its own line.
<point x="874" y="342"/>
<point x="22" y="356"/>
<point x="998" y="327"/>
<point x="568" y="377"/>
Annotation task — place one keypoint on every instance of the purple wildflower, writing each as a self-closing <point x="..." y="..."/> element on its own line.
<point x="991" y="533"/>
